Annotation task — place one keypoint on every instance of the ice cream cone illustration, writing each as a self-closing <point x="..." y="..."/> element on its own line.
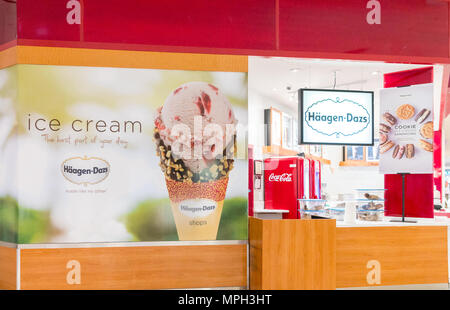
<point x="195" y="135"/>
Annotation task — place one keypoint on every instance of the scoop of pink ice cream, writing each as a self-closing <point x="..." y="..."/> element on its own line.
<point x="198" y="122"/>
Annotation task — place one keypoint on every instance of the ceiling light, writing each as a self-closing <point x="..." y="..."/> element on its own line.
<point x="376" y="72"/>
<point x="294" y="70"/>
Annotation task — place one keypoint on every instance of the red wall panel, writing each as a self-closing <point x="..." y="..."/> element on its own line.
<point x="45" y="20"/>
<point x="408" y="27"/>
<point x="8" y="21"/>
<point x="199" y="23"/>
<point x="409" y="77"/>
<point x="418" y="195"/>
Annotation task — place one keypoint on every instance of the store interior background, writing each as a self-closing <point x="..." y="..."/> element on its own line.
<point x="274" y="82"/>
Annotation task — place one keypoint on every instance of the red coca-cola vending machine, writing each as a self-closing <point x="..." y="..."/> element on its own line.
<point x="315" y="179"/>
<point x="287" y="179"/>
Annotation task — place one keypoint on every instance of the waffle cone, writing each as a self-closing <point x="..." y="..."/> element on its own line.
<point x="214" y="190"/>
<point x="197" y="207"/>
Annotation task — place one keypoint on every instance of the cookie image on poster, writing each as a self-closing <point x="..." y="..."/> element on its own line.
<point x="427" y="146"/>
<point x="405" y="111"/>
<point x="426" y="130"/>
<point x="422" y="116"/>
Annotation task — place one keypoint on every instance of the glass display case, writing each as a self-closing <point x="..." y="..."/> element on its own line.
<point x="310" y="208"/>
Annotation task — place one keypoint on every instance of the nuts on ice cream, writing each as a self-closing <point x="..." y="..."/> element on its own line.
<point x="195" y="132"/>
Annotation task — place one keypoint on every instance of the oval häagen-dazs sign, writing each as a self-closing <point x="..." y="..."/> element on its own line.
<point x="85" y="170"/>
<point x="337" y="117"/>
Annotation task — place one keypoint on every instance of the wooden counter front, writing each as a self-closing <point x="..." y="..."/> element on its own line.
<point x="130" y="268"/>
<point x="292" y="254"/>
<point x="8" y="268"/>
<point x="314" y="254"/>
<point x="379" y="256"/>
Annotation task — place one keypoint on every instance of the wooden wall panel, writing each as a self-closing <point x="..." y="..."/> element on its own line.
<point x="255" y="268"/>
<point x="153" y="267"/>
<point x="294" y="254"/>
<point x="407" y="255"/>
<point x="8" y="57"/>
<point x="7" y="268"/>
<point x="41" y="55"/>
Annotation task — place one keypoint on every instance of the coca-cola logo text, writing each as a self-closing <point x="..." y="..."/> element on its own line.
<point x="285" y="177"/>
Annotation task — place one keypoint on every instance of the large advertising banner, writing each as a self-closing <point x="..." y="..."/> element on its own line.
<point x="116" y="154"/>
<point x="406" y="129"/>
<point x="8" y="154"/>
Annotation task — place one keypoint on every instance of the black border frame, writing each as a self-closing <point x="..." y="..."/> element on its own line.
<point x="300" y="116"/>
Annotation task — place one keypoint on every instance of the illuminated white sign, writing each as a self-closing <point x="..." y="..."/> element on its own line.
<point x="336" y="117"/>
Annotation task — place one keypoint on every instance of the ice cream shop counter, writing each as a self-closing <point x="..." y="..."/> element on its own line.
<point x="330" y="254"/>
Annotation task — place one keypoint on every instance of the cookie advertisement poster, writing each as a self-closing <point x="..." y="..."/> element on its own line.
<point x="406" y="129"/>
<point x="92" y="154"/>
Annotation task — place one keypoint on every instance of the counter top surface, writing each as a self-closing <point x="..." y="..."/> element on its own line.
<point x="270" y="211"/>
<point x="386" y="223"/>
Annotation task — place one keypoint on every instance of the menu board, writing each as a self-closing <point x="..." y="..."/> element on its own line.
<point x="406" y="129"/>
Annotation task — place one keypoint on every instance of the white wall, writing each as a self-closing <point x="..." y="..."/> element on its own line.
<point x="257" y="103"/>
<point x="344" y="180"/>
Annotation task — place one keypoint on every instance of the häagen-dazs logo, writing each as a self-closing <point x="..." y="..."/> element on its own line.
<point x="337" y="117"/>
<point x="85" y="170"/>
<point x="197" y="208"/>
